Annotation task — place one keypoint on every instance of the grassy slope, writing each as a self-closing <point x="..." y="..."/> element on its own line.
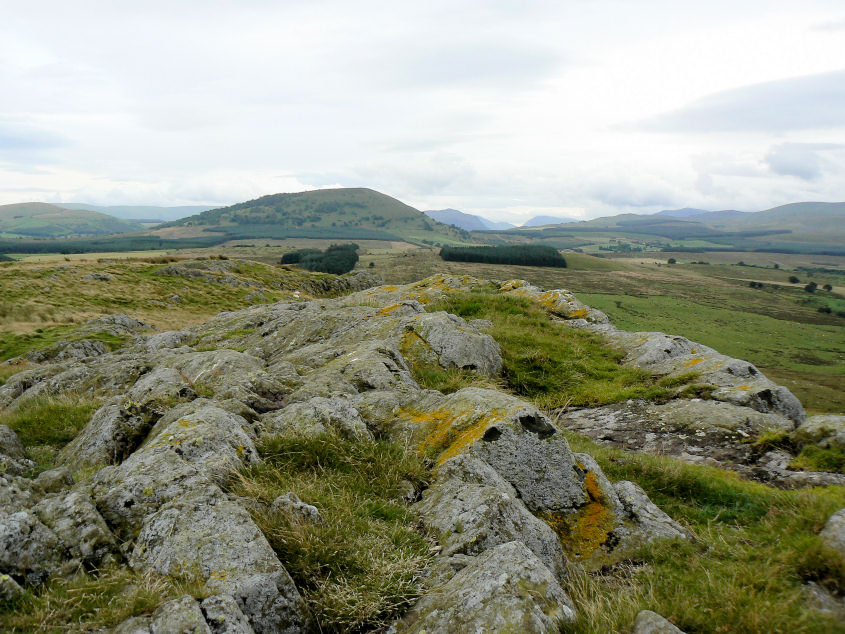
<point x="755" y="546"/>
<point x="711" y="304"/>
<point x="49" y="221"/>
<point x="330" y="210"/>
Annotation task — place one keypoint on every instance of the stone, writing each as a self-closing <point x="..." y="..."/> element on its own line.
<point x="79" y="526"/>
<point x="505" y="589"/>
<point x="207" y="536"/>
<point x="12" y="458"/>
<point x="133" y="625"/>
<point x="54" y="480"/>
<point x="833" y="532"/>
<point x="648" y="622"/>
<point x="470" y="517"/>
<point x="652" y="522"/>
<point x="29" y="551"/>
<point x="110" y="436"/>
<point x="289" y="504"/>
<point x="456" y="344"/>
<point x="98" y="277"/>
<point x="224" y="616"/>
<point x="179" y="616"/>
<point x="825" y="430"/>
<point x="316" y="416"/>
<point x="9" y="589"/>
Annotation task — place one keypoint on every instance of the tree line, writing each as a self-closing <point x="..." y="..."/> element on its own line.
<point x="337" y="259"/>
<point x="523" y="255"/>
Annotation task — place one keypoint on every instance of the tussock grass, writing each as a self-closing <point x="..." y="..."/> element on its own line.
<point x="46" y="424"/>
<point x="360" y="568"/>
<point x="546" y="361"/>
<point x="755" y="547"/>
<point x="90" y="602"/>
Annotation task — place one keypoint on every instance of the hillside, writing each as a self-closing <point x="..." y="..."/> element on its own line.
<point x="450" y="455"/>
<point x="539" y="221"/>
<point x="42" y="220"/>
<point x="136" y="212"/>
<point x="349" y="213"/>
<point x="463" y="220"/>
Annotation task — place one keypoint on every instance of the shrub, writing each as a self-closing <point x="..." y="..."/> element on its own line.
<point x="794" y="280"/>
<point x="811" y="287"/>
<point x="828" y="287"/>
<point x="671" y="261"/>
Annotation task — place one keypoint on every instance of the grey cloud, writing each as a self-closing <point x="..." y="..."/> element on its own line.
<point x="18" y="138"/>
<point x="803" y="160"/>
<point x="799" y="103"/>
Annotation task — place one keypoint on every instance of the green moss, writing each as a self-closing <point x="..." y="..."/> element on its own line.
<point x="815" y="458"/>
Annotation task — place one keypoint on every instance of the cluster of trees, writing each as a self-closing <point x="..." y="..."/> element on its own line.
<point x="337" y="259"/>
<point x="524" y="255"/>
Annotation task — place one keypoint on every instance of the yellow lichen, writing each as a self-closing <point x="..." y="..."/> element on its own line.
<point x="389" y="309"/>
<point x="692" y="362"/>
<point x="583" y="532"/>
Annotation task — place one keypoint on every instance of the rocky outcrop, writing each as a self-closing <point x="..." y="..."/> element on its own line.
<point x="707" y="432"/>
<point x="510" y="504"/>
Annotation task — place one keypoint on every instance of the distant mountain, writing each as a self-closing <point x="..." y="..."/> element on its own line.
<point x="42" y="220"/>
<point x="807" y="221"/>
<point x="468" y="222"/>
<point x="136" y="212"/>
<point x="344" y="214"/>
<point x="686" y="212"/>
<point x="539" y="221"/>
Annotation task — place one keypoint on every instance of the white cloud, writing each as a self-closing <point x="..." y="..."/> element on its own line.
<point x="501" y="108"/>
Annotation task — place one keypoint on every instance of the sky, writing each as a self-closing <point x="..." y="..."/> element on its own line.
<point x="578" y="108"/>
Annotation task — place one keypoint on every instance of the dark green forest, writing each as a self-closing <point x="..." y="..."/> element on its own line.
<point x="337" y="259"/>
<point x="524" y="255"/>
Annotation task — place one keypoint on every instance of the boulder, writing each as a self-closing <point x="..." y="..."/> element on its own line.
<point x="471" y="509"/>
<point x="224" y="616"/>
<point x="12" y="458"/>
<point x="826" y="430"/>
<point x="10" y="590"/>
<point x="648" y="622"/>
<point x="833" y="532"/>
<point x="79" y="526"/>
<point x="179" y="616"/>
<point x="206" y="536"/>
<point x="29" y="551"/>
<point x="505" y="589"/>
<point x="317" y="416"/>
<point x="651" y="522"/>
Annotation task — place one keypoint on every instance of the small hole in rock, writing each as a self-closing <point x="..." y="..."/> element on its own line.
<point x="492" y="434"/>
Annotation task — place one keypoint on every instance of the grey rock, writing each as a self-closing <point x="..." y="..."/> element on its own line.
<point x="316" y="416"/>
<point x="213" y="538"/>
<point x="112" y="434"/>
<point x="506" y="589"/>
<point x="12" y="458"/>
<point x="652" y="522"/>
<point x="54" y="480"/>
<point x="648" y="622"/>
<point x="17" y="493"/>
<point x="179" y="616"/>
<point x="98" y="277"/>
<point x="458" y="345"/>
<point x="160" y="389"/>
<point x="826" y="430"/>
<point x="833" y="532"/>
<point x="289" y="504"/>
<point x="28" y="549"/>
<point x="9" y="589"/>
<point x="10" y="444"/>
<point x="224" y="616"/>
<point x="470" y="517"/>
<point x="79" y="526"/>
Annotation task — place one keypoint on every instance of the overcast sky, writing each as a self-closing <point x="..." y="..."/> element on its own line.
<point x="507" y="109"/>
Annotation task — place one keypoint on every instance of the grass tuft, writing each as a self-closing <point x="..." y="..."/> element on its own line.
<point x="46" y="424"/>
<point x="550" y="363"/>
<point x="361" y="567"/>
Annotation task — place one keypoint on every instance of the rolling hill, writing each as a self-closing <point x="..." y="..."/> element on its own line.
<point x="539" y="221"/>
<point x="42" y="220"/>
<point x="463" y="220"/>
<point x="345" y="214"/>
<point x="138" y="212"/>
